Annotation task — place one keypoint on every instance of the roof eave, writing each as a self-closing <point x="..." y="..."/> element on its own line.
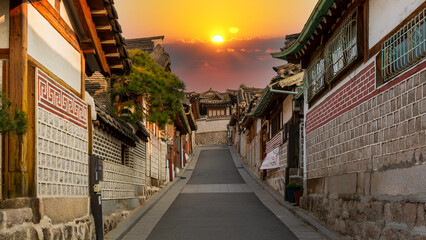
<point x="314" y="20"/>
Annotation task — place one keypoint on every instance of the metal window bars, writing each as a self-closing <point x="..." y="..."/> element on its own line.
<point x="342" y="49"/>
<point x="339" y="52"/>
<point x="314" y="78"/>
<point x="404" y="48"/>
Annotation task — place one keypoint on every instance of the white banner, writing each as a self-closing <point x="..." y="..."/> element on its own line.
<point x="272" y="159"/>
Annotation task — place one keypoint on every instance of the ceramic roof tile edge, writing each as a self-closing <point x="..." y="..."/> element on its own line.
<point x="113" y="121"/>
<point x="264" y="100"/>
<point x="142" y="130"/>
<point x="314" y="20"/>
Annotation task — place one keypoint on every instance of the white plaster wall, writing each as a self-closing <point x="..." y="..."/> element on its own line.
<point x="4" y="24"/>
<point x="212" y="125"/>
<point x="385" y="15"/>
<point x="50" y="49"/>
<point x="52" y="2"/>
<point x="287" y="108"/>
<point x="64" y="13"/>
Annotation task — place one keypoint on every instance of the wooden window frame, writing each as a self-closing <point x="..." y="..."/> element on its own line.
<point x="328" y="78"/>
<point x="400" y="43"/>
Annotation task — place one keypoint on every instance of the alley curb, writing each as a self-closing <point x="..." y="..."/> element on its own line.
<point x="326" y="233"/>
<point x="130" y="222"/>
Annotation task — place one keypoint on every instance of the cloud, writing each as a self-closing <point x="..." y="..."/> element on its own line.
<point x="204" y="65"/>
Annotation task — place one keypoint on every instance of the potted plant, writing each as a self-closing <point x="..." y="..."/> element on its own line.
<point x="290" y="191"/>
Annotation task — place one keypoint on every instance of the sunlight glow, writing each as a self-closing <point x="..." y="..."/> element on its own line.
<point x="217" y="39"/>
<point x="233" y="30"/>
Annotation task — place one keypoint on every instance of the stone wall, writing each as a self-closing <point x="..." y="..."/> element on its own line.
<point x="212" y="125"/>
<point x="211" y="138"/>
<point x="365" y="150"/>
<point x="19" y="222"/>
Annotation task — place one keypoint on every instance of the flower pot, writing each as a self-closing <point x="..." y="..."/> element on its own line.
<point x="290" y="193"/>
<point x="297" y="195"/>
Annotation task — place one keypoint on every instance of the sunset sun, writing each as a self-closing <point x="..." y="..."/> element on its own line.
<point x="217" y="39"/>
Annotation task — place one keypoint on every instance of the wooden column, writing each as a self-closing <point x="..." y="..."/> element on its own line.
<point x="19" y="153"/>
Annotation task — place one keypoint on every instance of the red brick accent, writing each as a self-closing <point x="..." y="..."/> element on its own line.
<point x="356" y="91"/>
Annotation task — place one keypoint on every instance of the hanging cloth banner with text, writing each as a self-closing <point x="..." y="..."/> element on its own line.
<point x="272" y="160"/>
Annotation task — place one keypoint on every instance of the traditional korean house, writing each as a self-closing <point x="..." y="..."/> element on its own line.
<point x="46" y="49"/>
<point x="157" y="145"/>
<point x="214" y="104"/>
<point x="154" y="46"/>
<point x="122" y="148"/>
<point x="244" y="98"/>
<point x="279" y="107"/>
<point x="181" y="141"/>
<point x="365" y="141"/>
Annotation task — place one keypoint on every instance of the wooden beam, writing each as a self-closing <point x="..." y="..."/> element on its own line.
<point x="57" y="22"/>
<point x="19" y="160"/>
<point x="104" y="28"/>
<point x="113" y="55"/>
<point x="85" y="17"/>
<point x="99" y="13"/>
<point x="4" y="52"/>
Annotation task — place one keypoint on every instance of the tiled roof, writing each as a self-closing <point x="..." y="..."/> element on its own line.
<point x="116" y="124"/>
<point x="109" y="30"/>
<point x="156" y="51"/>
<point x="141" y="131"/>
<point x="285" y="71"/>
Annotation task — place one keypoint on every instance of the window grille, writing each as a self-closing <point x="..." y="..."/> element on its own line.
<point x="339" y="52"/>
<point x="404" y="48"/>
<point x="342" y="49"/>
<point x="315" y="78"/>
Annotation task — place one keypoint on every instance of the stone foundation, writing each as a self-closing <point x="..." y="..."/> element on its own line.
<point x="117" y="210"/>
<point x="20" y="224"/>
<point x="357" y="217"/>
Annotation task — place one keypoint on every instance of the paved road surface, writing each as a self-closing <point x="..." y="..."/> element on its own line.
<point x="215" y="202"/>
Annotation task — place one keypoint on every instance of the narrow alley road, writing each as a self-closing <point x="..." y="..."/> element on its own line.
<point x="217" y="201"/>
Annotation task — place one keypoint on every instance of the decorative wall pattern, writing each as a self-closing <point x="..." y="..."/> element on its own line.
<point x="163" y="153"/>
<point x="155" y="152"/>
<point x="106" y="146"/>
<point x="61" y="102"/>
<point x="62" y="141"/>
<point x="120" y="181"/>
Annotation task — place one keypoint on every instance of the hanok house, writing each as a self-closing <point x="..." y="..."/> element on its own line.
<point x="365" y="116"/>
<point x="157" y="145"/>
<point x="214" y="104"/>
<point x="281" y="132"/>
<point x="46" y="48"/>
<point x="181" y="141"/>
<point x="243" y="99"/>
<point x="123" y="151"/>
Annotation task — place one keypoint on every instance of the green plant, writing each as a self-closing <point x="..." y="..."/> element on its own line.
<point x="12" y="120"/>
<point x="162" y="90"/>
<point x="293" y="185"/>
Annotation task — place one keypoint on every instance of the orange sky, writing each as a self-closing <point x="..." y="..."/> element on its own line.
<point x="251" y="30"/>
<point x="200" y="19"/>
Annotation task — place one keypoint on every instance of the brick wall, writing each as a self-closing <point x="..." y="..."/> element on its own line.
<point x="365" y="149"/>
<point x="361" y="128"/>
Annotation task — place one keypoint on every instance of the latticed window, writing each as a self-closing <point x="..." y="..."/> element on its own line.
<point x="339" y="53"/>
<point x="404" y="48"/>
<point x="342" y="48"/>
<point x="315" y="78"/>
